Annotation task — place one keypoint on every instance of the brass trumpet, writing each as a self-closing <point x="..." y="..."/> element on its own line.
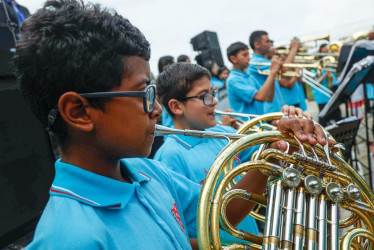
<point x="359" y="35"/>
<point x="315" y="65"/>
<point x="279" y="50"/>
<point x="324" y="63"/>
<point x="307" y="57"/>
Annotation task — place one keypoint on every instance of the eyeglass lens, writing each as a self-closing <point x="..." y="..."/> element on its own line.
<point x="150" y="99"/>
<point x="209" y="98"/>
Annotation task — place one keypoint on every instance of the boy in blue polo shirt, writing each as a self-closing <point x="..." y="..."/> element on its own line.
<point x="187" y="93"/>
<point x="247" y="94"/>
<point x="84" y="72"/>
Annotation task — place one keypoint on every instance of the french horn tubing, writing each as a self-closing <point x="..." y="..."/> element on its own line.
<point x="306" y="190"/>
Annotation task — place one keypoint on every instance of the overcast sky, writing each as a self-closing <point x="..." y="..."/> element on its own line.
<point x="169" y="25"/>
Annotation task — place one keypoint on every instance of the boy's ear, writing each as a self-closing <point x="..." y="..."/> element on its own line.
<point x="76" y="112"/>
<point x="256" y="45"/>
<point x="233" y="59"/>
<point x="175" y="106"/>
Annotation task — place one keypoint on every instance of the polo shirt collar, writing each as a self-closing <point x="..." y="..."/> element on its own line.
<point x="187" y="141"/>
<point x="259" y="57"/>
<point x="239" y="72"/>
<point x="93" y="189"/>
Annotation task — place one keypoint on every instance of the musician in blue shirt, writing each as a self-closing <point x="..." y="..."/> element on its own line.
<point x="261" y="45"/>
<point x="246" y="94"/>
<point x="290" y="89"/>
<point x="180" y="93"/>
<point x="321" y="97"/>
<point x="328" y="79"/>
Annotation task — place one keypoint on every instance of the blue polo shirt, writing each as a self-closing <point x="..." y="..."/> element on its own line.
<point x="302" y="97"/>
<point x="318" y="96"/>
<point x="335" y="79"/>
<point x="291" y="95"/>
<point x="89" y="211"/>
<point x="278" y="101"/>
<point x="217" y="82"/>
<point x="241" y="89"/>
<point x="369" y="90"/>
<point x="192" y="157"/>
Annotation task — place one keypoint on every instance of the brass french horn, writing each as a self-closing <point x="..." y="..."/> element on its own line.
<point x="305" y="191"/>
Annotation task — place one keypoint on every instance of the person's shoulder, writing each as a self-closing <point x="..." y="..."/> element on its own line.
<point x="171" y="147"/>
<point x="144" y="163"/>
<point x="68" y="224"/>
<point x="236" y="76"/>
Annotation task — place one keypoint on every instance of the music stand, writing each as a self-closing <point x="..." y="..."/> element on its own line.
<point x="345" y="131"/>
<point x="356" y="75"/>
<point x="355" y="53"/>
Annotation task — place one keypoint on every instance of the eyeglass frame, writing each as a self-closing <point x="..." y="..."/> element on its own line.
<point x="53" y="113"/>
<point x="214" y="93"/>
<point x="142" y="93"/>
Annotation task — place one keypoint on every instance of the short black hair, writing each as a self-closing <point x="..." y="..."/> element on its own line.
<point x="177" y="80"/>
<point x="72" y="46"/>
<point x="256" y="37"/>
<point x="234" y="49"/>
<point x="182" y="58"/>
<point x="164" y="61"/>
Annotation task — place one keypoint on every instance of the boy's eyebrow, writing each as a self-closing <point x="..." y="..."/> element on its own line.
<point x="202" y="92"/>
<point x="144" y="81"/>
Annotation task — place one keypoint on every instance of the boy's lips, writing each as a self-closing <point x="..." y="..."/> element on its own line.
<point x="152" y="130"/>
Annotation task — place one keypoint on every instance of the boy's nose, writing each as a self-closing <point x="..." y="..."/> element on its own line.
<point x="157" y="110"/>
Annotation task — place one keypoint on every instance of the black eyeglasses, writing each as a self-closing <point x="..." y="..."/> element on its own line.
<point x="208" y="98"/>
<point x="149" y="96"/>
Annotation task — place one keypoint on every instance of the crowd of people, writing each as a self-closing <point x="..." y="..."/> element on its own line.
<point x="98" y="100"/>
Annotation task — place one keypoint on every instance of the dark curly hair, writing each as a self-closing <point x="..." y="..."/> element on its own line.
<point x="177" y="80"/>
<point x="72" y="46"/>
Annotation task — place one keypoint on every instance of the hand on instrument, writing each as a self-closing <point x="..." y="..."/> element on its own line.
<point x="229" y="120"/>
<point x="295" y="44"/>
<point x="276" y="64"/>
<point x="291" y="111"/>
<point x="304" y="130"/>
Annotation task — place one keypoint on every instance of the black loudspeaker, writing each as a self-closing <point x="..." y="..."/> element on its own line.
<point x="7" y="49"/>
<point x="210" y="54"/>
<point x="26" y="166"/>
<point x="208" y="46"/>
<point x="205" y="40"/>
